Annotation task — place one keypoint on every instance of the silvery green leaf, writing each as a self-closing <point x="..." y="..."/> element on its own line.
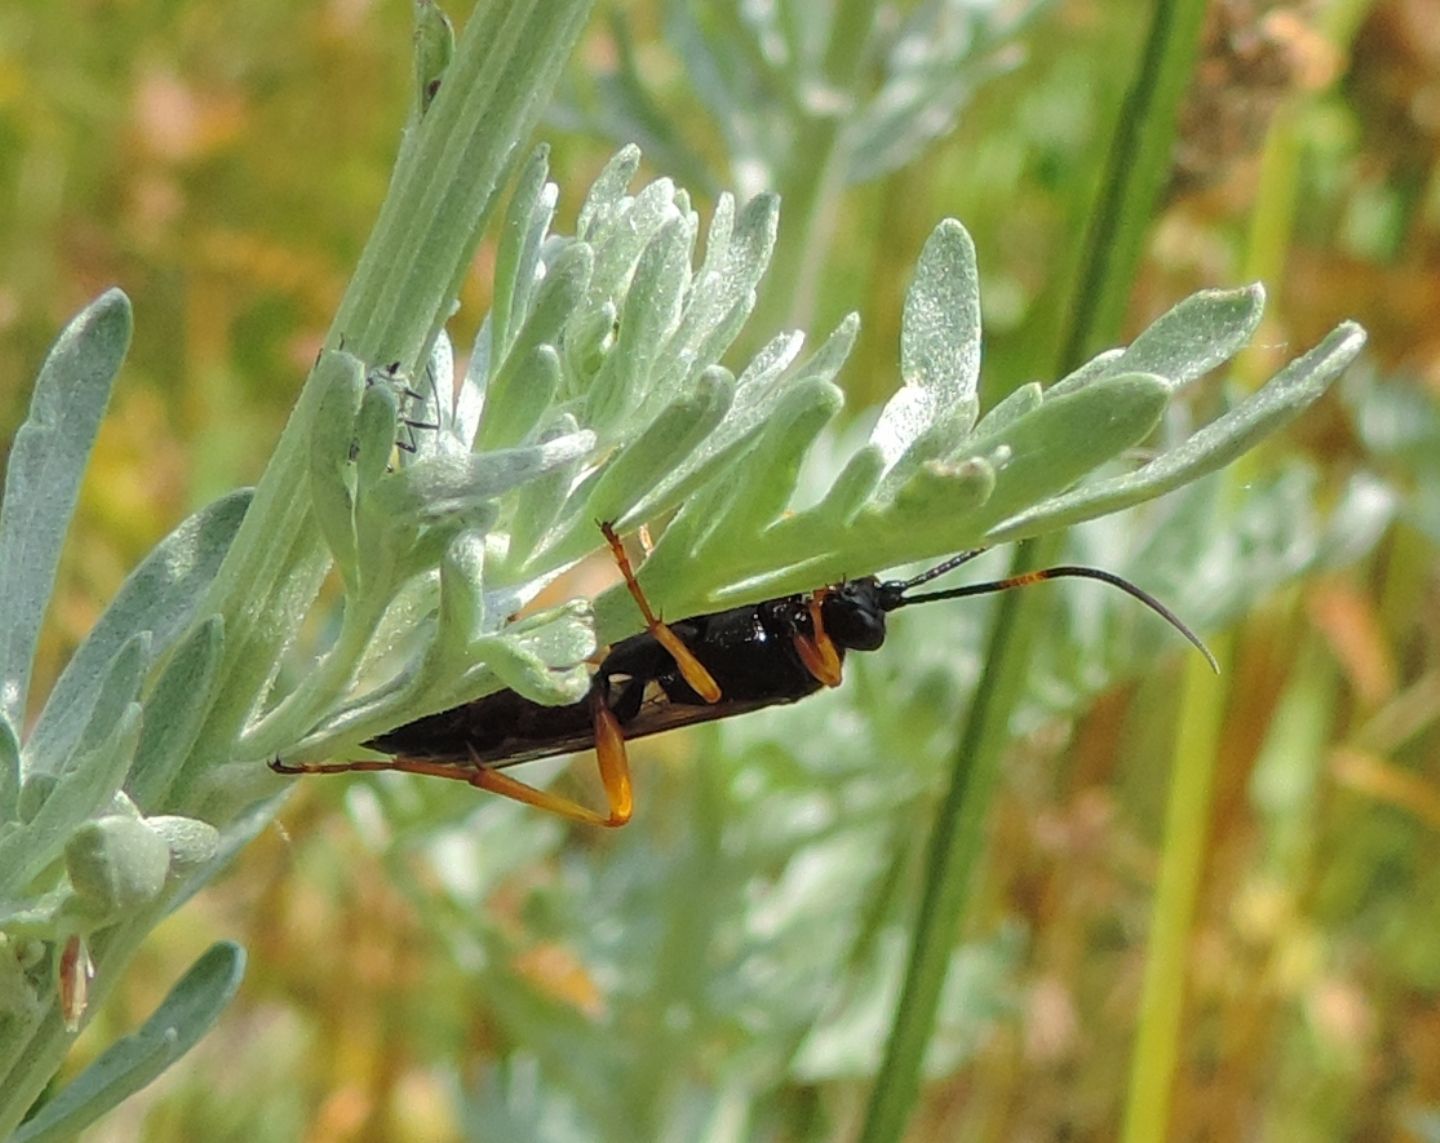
<point x="856" y="483"/>
<point x="833" y="352"/>
<point x="939" y="344"/>
<point x="133" y="1061"/>
<point x="425" y="418"/>
<point x="440" y="485"/>
<point x="461" y="617"/>
<point x="1282" y="398"/>
<point x="86" y="787"/>
<point x="332" y="470"/>
<point x="588" y="340"/>
<point x="117" y="864"/>
<point x="624" y="237"/>
<point x="766" y="480"/>
<point x="1098" y="366"/>
<point x="732" y="297"/>
<point x="544" y="656"/>
<point x="1185" y="342"/>
<point x="434" y="48"/>
<point x="374" y="432"/>
<point x="517" y="254"/>
<point x="47" y="462"/>
<point x="119" y="687"/>
<point x="1049" y="449"/>
<point x="159" y="596"/>
<point x="174" y="711"/>
<point x="770" y="362"/>
<point x="1019" y="403"/>
<point x="762" y="486"/>
<point x="651" y="309"/>
<point x="465" y="420"/>
<point x="9" y="773"/>
<point x="538" y="506"/>
<point x="190" y="841"/>
<point x="757" y="392"/>
<point x="662" y="447"/>
<point x="717" y="237"/>
<point x="519" y="398"/>
<point x="556" y="302"/>
<point x="607" y="191"/>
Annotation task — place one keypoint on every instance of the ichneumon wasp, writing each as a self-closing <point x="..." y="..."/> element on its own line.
<point x="676" y="674"/>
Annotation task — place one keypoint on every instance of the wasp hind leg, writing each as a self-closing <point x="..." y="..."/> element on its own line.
<point x="693" y="670"/>
<point x="614" y="777"/>
<point x="609" y="750"/>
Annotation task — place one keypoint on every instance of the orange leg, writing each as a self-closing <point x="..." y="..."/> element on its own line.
<point x="609" y="748"/>
<point x="818" y="651"/>
<point x="694" y="671"/>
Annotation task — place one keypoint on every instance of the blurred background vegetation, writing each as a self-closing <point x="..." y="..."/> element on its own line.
<point x="428" y="964"/>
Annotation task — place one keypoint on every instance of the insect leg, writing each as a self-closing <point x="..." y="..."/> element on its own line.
<point x="691" y="668"/>
<point x="334" y="767"/>
<point x="614" y="776"/>
<point x="615" y="773"/>
<point x="818" y="651"/>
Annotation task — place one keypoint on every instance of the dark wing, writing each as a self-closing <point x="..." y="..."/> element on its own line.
<point x="657" y="715"/>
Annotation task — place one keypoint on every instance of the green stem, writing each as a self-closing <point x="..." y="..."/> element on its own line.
<point x="435" y="212"/>
<point x="504" y="68"/>
<point x="1187" y="821"/>
<point x="1136" y="168"/>
<point x="1136" y="171"/>
<point x="957" y="843"/>
<point x="812" y="179"/>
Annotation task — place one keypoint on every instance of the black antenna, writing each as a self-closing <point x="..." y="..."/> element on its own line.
<point x="893" y="594"/>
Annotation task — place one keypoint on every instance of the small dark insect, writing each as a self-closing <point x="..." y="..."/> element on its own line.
<point x="676" y="674"/>
<point x="392" y="375"/>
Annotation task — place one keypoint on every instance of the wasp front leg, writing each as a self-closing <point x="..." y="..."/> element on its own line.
<point x="693" y="670"/>
<point x="817" y="650"/>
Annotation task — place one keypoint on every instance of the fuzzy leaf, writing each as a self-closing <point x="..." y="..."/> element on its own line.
<point x="662" y="447"/>
<point x="1288" y="393"/>
<point x="190" y="841"/>
<point x="939" y="344"/>
<point x="517" y="254"/>
<point x="518" y="399"/>
<point x="175" y="709"/>
<point x="9" y="773"/>
<point x="159" y="596"/>
<point x="47" y="462"/>
<point x="341" y="378"/>
<point x="117" y="864"/>
<point x="132" y="1062"/>
<point x="607" y="191"/>
<point x="441" y="485"/>
<point x="85" y="789"/>
<point x="1049" y="449"/>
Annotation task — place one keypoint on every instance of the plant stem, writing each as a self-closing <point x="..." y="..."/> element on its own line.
<point x="1187" y="821"/>
<point x="1138" y="160"/>
<point x="434" y="214"/>
<point x="957" y="844"/>
<point x="812" y="178"/>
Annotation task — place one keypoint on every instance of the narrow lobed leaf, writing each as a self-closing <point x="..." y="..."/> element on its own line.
<point x="175" y="709"/>
<point x="47" y="462"/>
<point x="133" y="1061"/>
<point x="160" y="596"/>
<point x="1282" y="398"/>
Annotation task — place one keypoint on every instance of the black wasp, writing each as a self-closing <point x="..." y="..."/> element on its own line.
<point x="676" y="674"/>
